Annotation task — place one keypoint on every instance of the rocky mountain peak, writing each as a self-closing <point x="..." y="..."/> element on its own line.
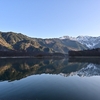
<point x="89" y="41"/>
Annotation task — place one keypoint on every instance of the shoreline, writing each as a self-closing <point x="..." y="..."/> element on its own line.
<point x="31" y="57"/>
<point x="50" y="57"/>
<point x="83" y="56"/>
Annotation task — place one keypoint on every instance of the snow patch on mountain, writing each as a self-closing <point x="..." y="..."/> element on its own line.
<point x="89" y="41"/>
<point x="68" y="37"/>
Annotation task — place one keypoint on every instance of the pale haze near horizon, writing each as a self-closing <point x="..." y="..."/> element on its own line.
<point x="50" y="18"/>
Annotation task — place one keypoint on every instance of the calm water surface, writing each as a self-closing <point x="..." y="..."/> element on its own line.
<point x="39" y="79"/>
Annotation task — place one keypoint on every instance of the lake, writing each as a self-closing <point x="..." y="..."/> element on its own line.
<point x="50" y="79"/>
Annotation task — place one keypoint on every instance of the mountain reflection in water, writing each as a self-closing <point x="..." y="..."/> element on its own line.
<point x="49" y="79"/>
<point x="15" y="69"/>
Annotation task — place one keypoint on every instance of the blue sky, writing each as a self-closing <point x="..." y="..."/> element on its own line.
<point x="50" y="18"/>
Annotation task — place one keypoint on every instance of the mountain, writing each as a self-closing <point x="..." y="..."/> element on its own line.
<point x="62" y="46"/>
<point x="89" y="41"/>
<point x="19" y="42"/>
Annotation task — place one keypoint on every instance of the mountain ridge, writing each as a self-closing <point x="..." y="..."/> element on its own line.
<point x="20" y="42"/>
